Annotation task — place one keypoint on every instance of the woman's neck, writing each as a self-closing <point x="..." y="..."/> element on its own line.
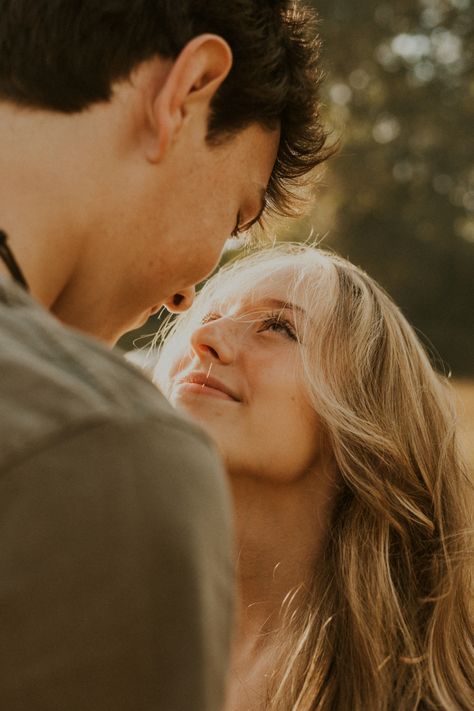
<point x="280" y="531"/>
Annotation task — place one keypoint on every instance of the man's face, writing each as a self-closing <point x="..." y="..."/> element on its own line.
<point x="204" y="193"/>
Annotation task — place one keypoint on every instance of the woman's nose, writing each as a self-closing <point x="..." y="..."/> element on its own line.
<point x="181" y="301"/>
<point x="212" y="341"/>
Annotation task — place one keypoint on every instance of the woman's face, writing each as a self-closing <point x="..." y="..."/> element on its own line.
<point x="241" y="379"/>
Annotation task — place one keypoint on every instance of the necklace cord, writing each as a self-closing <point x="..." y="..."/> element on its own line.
<point x="10" y="262"/>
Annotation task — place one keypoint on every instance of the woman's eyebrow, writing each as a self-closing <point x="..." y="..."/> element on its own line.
<point x="278" y="304"/>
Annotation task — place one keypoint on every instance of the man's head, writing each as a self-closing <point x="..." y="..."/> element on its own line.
<point x="174" y="118"/>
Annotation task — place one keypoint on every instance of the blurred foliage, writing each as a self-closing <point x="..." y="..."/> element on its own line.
<point x="398" y="199"/>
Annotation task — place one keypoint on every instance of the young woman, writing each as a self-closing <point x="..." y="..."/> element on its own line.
<point x="351" y="498"/>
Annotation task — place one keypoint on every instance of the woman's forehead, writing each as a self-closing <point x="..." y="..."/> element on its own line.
<point x="252" y="287"/>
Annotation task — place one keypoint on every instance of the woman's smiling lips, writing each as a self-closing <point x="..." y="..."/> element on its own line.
<point x="200" y="384"/>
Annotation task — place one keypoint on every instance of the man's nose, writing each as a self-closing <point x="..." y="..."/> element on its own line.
<point x="181" y="301"/>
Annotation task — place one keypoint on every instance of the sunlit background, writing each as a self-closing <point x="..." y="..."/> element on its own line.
<point x="398" y="199"/>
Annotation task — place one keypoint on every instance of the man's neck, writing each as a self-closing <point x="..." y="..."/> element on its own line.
<point x="60" y="207"/>
<point x="50" y="211"/>
<point x="34" y="202"/>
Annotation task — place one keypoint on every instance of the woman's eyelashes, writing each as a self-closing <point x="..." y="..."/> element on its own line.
<point x="278" y="324"/>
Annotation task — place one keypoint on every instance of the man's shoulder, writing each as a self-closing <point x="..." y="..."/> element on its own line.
<point x="55" y="381"/>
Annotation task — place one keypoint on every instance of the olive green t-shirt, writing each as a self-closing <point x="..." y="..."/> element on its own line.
<point x="116" y="572"/>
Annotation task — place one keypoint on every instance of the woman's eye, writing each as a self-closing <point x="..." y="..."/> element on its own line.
<point x="279" y="325"/>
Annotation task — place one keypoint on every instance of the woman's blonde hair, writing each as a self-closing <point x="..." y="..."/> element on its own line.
<point x="386" y="625"/>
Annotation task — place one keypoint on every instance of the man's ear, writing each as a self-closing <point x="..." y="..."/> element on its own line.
<point x="188" y="88"/>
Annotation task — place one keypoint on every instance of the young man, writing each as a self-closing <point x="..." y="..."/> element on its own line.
<point x="135" y="137"/>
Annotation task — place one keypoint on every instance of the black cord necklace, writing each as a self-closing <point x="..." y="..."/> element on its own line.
<point x="12" y="265"/>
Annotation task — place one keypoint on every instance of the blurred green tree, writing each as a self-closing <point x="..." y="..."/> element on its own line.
<point x="399" y="198"/>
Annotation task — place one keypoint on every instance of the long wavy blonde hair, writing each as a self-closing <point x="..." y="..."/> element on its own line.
<point x="387" y="623"/>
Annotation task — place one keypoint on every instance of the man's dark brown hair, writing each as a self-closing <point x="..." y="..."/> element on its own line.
<point x="64" y="55"/>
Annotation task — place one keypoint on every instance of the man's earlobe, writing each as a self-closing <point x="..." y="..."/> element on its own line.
<point x="188" y="88"/>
